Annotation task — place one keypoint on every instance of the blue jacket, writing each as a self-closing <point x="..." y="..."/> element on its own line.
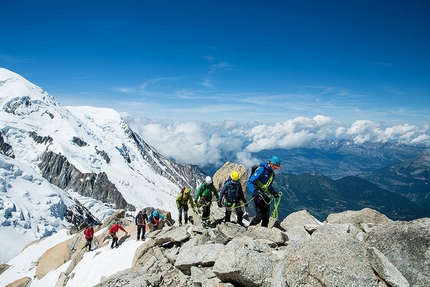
<point x="262" y="174"/>
<point x="232" y="191"/>
<point x="160" y="216"/>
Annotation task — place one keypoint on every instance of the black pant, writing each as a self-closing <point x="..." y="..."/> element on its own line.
<point x="88" y="244"/>
<point x="261" y="212"/>
<point x="239" y="214"/>
<point x="206" y="212"/>
<point x="141" y="229"/>
<point x="114" y="241"/>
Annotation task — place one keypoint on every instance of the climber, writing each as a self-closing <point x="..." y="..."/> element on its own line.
<point x="89" y="234"/>
<point x="113" y="230"/>
<point x="154" y="219"/>
<point x="204" y="198"/>
<point x="233" y="193"/>
<point x="260" y="186"/>
<point x="182" y="203"/>
<point x="141" y="220"/>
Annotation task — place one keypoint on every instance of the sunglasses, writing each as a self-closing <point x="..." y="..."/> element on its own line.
<point x="274" y="166"/>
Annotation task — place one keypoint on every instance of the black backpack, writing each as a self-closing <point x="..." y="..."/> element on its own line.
<point x="253" y="169"/>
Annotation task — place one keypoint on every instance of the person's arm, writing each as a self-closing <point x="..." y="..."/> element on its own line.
<point x="178" y="201"/>
<point x="198" y="193"/>
<point x="190" y="199"/>
<point x="241" y="195"/>
<point x="122" y="228"/>
<point x="214" y="191"/>
<point x="222" y="193"/>
<point x="250" y="183"/>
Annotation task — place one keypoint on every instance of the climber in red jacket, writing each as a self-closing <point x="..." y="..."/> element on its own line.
<point x="89" y="234"/>
<point x="113" y="230"/>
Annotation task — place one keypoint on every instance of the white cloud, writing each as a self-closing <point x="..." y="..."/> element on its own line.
<point x="201" y="143"/>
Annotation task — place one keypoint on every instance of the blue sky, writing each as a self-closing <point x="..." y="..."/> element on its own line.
<point x="218" y="60"/>
<point x="303" y="70"/>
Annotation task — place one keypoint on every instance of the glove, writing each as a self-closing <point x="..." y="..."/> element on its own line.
<point x="246" y="204"/>
<point x="219" y="204"/>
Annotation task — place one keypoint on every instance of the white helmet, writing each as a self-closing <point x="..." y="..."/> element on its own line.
<point x="208" y="180"/>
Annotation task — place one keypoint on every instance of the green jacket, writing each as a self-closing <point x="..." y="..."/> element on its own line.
<point x="205" y="192"/>
<point x="183" y="199"/>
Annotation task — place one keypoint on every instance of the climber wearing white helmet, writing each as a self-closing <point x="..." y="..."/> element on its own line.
<point x="204" y="198"/>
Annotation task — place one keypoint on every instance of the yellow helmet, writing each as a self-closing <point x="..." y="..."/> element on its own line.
<point x="234" y="175"/>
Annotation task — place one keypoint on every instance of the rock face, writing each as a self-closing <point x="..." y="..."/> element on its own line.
<point x="222" y="174"/>
<point x="348" y="249"/>
<point x="58" y="171"/>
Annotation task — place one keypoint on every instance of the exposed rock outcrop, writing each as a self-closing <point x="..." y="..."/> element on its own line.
<point x="5" y="148"/>
<point x="388" y="253"/>
<point x="60" y="172"/>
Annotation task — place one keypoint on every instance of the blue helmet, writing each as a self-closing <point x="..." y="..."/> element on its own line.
<point x="155" y="213"/>
<point x="275" y="160"/>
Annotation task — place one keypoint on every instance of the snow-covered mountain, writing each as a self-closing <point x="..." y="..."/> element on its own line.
<point x="90" y="153"/>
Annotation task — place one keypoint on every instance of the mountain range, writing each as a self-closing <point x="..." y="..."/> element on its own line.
<point x="79" y="152"/>
<point x="61" y="166"/>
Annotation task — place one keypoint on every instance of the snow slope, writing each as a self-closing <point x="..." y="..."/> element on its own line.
<point x="31" y="207"/>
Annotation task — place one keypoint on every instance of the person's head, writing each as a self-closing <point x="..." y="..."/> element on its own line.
<point x="234" y="175"/>
<point x="187" y="191"/>
<point x="119" y="221"/>
<point x="155" y="213"/>
<point x="274" y="162"/>
<point x="208" y="180"/>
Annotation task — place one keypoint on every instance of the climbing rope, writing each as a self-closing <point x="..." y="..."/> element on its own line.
<point x="276" y="202"/>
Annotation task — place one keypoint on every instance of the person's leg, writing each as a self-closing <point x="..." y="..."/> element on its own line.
<point x="265" y="213"/>
<point x="143" y="232"/>
<point x="258" y="212"/>
<point x="153" y="228"/>
<point x="180" y="215"/>
<point x="185" y="208"/>
<point x="239" y="214"/>
<point x="116" y="241"/>
<point x="205" y="214"/>
<point x="139" y="229"/>
<point x="227" y="214"/>
<point x="113" y="240"/>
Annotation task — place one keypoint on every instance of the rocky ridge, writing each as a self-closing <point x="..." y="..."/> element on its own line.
<point x="352" y="248"/>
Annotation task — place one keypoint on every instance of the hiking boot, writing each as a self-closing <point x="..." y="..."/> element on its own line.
<point x="180" y="224"/>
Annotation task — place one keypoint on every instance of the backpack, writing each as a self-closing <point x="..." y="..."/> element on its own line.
<point x="182" y="193"/>
<point x="112" y="223"/>
<point x="253" y="169"/>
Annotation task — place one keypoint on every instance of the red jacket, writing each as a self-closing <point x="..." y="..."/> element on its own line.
<point x="114" y="229"/>
<point x="89" y="232"/>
